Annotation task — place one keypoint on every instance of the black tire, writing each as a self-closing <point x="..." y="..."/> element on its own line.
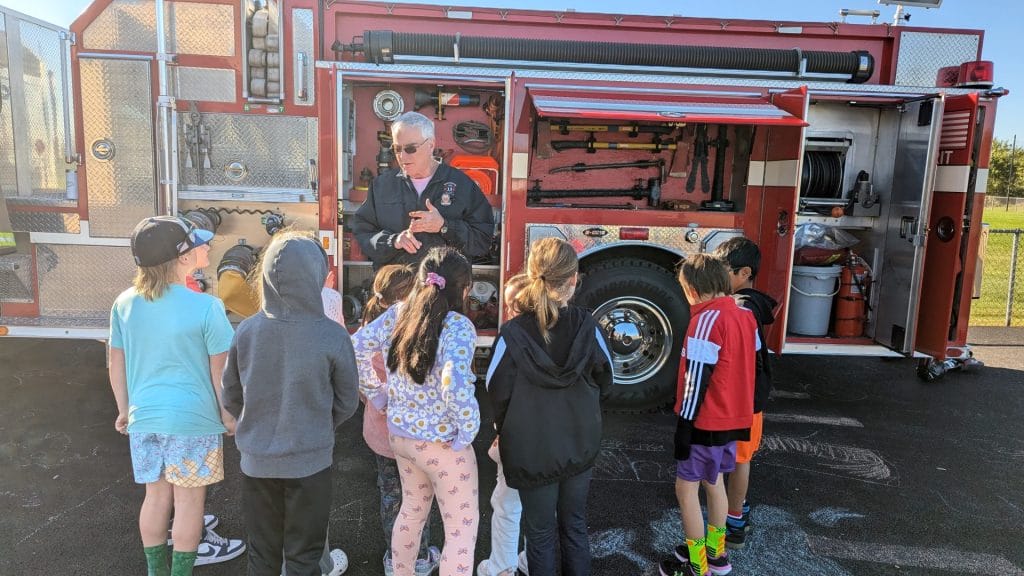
<point x="641" y="309"/>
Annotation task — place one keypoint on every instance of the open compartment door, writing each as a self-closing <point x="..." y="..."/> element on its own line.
<point x="948" y="234"/>
<point x="900" y="281"/>
<point x="704" y="106"/>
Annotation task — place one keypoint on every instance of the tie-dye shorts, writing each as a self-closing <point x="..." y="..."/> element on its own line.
<point x="186" y="461"/>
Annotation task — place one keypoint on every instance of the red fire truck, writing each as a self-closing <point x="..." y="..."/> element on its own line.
<point x="860" y="148"/>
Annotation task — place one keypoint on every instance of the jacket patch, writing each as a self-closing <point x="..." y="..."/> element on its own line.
<point x="448" y="193"/>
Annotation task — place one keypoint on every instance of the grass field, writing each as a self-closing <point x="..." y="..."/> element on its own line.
<point x="998" y="218"/>
<point x="990" y="309"/>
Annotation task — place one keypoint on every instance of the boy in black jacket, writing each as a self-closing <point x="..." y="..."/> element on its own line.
<point x="744" y="260"/>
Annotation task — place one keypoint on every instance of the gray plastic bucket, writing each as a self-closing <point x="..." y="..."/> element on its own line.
<point x="811" y="291"/>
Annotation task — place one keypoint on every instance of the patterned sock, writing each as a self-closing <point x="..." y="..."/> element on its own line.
<point x="746" y="509"/>
<point x="735" y="520"/>
<point x="156" y="560"/>
<point x="182" y="563"/>
<point x="716" y="540"/>
<point x="698" y="555"/>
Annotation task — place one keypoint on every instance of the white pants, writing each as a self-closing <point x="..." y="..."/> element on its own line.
<point x="508" y="511"/>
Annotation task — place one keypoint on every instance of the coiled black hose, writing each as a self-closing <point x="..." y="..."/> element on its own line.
<point x="240" y="258"/>
<point x="380" y="46"/>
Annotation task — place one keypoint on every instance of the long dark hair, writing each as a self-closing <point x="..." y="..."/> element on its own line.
<point x="440" y="287"/>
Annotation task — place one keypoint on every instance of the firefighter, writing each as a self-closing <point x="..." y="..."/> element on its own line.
<point x="423" y="204"/>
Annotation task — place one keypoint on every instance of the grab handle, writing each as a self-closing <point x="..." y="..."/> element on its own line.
<point x="300" y="71"/>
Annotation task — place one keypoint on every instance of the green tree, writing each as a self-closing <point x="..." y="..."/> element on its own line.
<point x="999" y="177"/>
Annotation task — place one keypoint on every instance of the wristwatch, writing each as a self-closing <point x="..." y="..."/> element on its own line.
<point x="444" y="228"/>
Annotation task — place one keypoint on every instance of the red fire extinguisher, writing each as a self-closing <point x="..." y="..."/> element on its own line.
<point x="852" y="299"/>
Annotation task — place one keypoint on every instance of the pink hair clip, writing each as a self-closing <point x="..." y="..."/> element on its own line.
<point x="434" y="279"/>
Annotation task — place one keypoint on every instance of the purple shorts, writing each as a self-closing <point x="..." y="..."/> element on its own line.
<point x="707" y="462"/>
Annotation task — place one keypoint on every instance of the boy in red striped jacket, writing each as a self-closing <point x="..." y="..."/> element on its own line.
<point x="714" y="404"/>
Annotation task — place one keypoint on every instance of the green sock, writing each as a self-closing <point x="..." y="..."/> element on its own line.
<point x="156" y="560"/>
<point x="182" y="563"/>
<point x="716" y="540"/>
<point x="698" y="555"/>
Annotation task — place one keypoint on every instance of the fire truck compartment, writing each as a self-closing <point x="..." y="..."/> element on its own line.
<point x="868" y="170"/>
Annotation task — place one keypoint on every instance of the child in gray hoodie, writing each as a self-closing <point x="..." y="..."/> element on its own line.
<point x="290" y="380"/>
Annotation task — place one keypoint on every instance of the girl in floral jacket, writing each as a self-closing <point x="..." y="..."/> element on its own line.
<point x="432" y="412"/>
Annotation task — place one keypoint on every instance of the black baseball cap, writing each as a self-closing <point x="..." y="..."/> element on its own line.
<point x="160" y="239"/>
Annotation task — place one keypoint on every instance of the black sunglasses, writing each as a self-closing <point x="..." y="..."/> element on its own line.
<point x="408" y="148"/>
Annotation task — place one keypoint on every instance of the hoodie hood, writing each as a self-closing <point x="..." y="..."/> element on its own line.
<point x="534" y="359"/>
<point x="293" y="276"/>
<point x="761" y="304"/>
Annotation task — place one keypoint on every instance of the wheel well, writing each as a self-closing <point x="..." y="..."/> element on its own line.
<point x="658" y="256"/>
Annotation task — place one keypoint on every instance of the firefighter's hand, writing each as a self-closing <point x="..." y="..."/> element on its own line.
<point x="407" y="241"/>
<point x="121" y="424"/>
<point x="430" y="221"/>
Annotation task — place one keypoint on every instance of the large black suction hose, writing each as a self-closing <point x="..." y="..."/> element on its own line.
<point x="381" y="46"/>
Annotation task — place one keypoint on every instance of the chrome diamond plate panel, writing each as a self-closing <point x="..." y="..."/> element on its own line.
<point x="8" y="177"/>
<point x="201" y="29"/>
<point x="923" y="53"/>
<point x="192" y="28"/>
<point x="302" y="41"/>
<point x="44" y="103"/>
<point x="274" y="150"/>
<point x="205" y="84"/>
<point x="125" y="25"/>
<point x="16" y="278"/>
<point x="50" y="198"/>
<point x="669" y="238"/>
<point x="117" y="108"/>
<point x="81" y="281"/>
<point x="56" y="222"/>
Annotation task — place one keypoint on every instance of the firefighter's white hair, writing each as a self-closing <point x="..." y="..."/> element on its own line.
<point x="413" y="120"/>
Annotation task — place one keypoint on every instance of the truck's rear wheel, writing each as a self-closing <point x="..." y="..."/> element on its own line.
<point x="643" y="314"/>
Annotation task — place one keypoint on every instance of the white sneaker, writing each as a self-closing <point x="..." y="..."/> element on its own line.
<point x="214" y="549"/>
<point x="339" y="561"/>
<point x="209" y="522"/>
<point x="485" y="568"/>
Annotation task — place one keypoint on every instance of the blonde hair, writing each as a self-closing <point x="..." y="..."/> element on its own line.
<point x="152" y="281"/>
<point x="552" y="263"/>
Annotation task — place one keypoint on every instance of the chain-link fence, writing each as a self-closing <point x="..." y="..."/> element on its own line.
<point x="1002" y="282"/>
<point x="1011" y="204"/>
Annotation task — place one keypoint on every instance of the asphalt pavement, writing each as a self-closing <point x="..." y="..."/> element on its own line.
<point x="864" y="470"/>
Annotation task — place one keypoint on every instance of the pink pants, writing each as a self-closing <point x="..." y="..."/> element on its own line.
<point x="426" y="469"/>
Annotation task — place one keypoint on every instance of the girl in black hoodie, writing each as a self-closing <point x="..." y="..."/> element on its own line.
<point x="549" y="371"/>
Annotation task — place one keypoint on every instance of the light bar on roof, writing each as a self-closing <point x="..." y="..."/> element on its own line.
<point x="917" y="3"/>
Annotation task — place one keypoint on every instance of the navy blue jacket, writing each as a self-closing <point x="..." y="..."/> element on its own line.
<point x="385" y="213"/>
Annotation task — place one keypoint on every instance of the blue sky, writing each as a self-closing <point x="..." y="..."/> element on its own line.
<point x="1001" y="19"/>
